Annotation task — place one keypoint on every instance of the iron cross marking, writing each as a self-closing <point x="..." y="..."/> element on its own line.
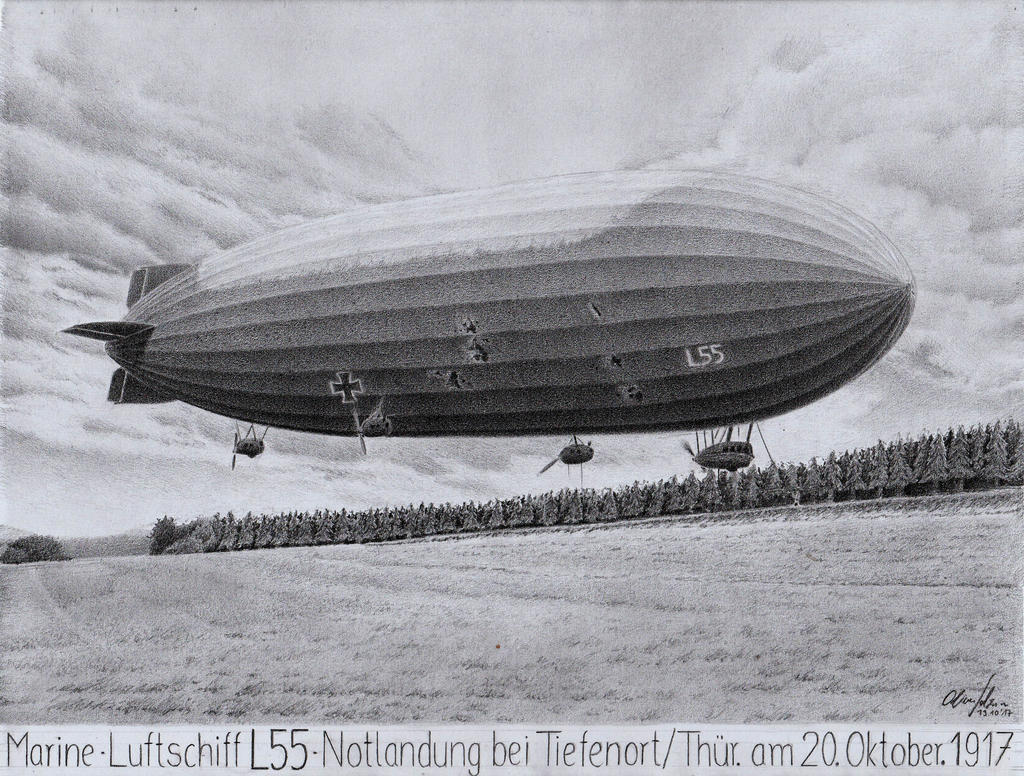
<point x="347" y="387"/>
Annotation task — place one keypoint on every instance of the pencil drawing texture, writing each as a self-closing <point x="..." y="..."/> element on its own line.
<point x="722" y="299"/>
<point x="417" y="249"/>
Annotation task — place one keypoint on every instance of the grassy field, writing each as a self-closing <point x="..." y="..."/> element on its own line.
<point x="842" y="612"/>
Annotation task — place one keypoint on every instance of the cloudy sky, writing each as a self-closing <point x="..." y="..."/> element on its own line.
<point x="139" y="134"/>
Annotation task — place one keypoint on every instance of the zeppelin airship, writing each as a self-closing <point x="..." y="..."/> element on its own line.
<point x="601" y="302"/>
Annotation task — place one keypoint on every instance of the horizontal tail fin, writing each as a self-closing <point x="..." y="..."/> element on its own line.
<point x="108" y="330"/>
<point x="125" y="389"/>
<point x="146" y="279"/>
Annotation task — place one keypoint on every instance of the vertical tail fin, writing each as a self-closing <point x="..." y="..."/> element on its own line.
<point x="146" y="279"/>
<point x="125" y="389"/>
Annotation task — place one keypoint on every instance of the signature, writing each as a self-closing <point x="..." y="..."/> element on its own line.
<point x="983" y="703"/>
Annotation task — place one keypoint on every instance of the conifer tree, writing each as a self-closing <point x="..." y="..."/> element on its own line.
<point x="995" y="467"/>
<point x="465" y="517"/>
<point x="1015" y="470"/>
<point x="629" y="503"/>
<point x="395" y="522"/>
<point x="959" y="460"/>
<point x="264" y="533"/>
<point x="790" y="478"/>
<point x="733" y="499"/>
<point x="547" y="512"/>
<point x="878" y="471"/>
<point x="521" y="513"/>
<point x="496" y="518"/>
<point x="810" y="481"/>
<point x="301" y="533"/>
<point x="325" y="529"/>
<point x="853" y="479"/>
<point x="343" y="527"/>
<point x="571" y="511"/>
<point x="534" y="507"/>
<point x="442" y="518"/>
<point x="247" y="532"/>
<point x="936" y="468"/>
<point x="229" y="534"/>
<point x="919" y="469"/>
<point x="899" y="471"/>
<point x="654" y="499"/>
<point x="787" y="482"/>
<point x="421" y="518"/>
<point x="673" y="497"/>
<point x="361" y="528"/>
<point x="1012" y="436"/>
<point x="280" y="534"/>
<point x="221" y="538"/>
<point x="909" y="449"/>
<point x="691" y="492"/>
<point x="591" y="506"/>
<point x="609" y="506"/>
<point x="749" y="494"/>
<point x="831" y="477"/>
<point x="201" y="538"/>
<point x="771" y="485"/>
<point x="531" y="510"/>
<point x="428" y="519"/>
<point x="710" y="498"/>
<point x="976" y="436"/>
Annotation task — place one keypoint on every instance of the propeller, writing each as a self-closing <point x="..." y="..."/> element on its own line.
<point x="556" y="460"/>
<point x="687" y="448"/>
<point x="359" y="429"/>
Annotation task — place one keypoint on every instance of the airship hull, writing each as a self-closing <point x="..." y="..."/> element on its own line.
<point x="606" y="302"/>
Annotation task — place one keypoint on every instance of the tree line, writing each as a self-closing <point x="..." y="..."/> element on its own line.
<point x="32" y="549"/>
<point x="973" y="459"/>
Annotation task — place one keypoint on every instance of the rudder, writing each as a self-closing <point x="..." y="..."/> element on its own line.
<point x="146" y="279"/>
<point x="125" y="389"/>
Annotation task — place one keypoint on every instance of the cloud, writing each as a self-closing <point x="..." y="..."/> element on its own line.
<point x="916" y="126"/>
<point x="172" y="181"/>
<point x="105" y="174"/>
<point x="796" y="54"/>
<point x="912" y="119"/>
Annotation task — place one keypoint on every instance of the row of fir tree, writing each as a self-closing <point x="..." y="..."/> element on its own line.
<point x="973" y="459"/>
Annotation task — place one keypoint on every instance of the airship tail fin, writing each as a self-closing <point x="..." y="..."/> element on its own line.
<point x="125" y="389"/>
<point x="108" y="331"/>
<point x="146" y="279"/>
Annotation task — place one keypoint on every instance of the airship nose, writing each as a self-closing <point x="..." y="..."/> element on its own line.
<point x="900" y="308"/>
<point x="894" y="270"/>
<point x="909" y="300"/>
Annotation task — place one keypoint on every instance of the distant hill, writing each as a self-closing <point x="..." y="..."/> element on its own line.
<point x="9" y="533"/>
<point x="134" y="542"/>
